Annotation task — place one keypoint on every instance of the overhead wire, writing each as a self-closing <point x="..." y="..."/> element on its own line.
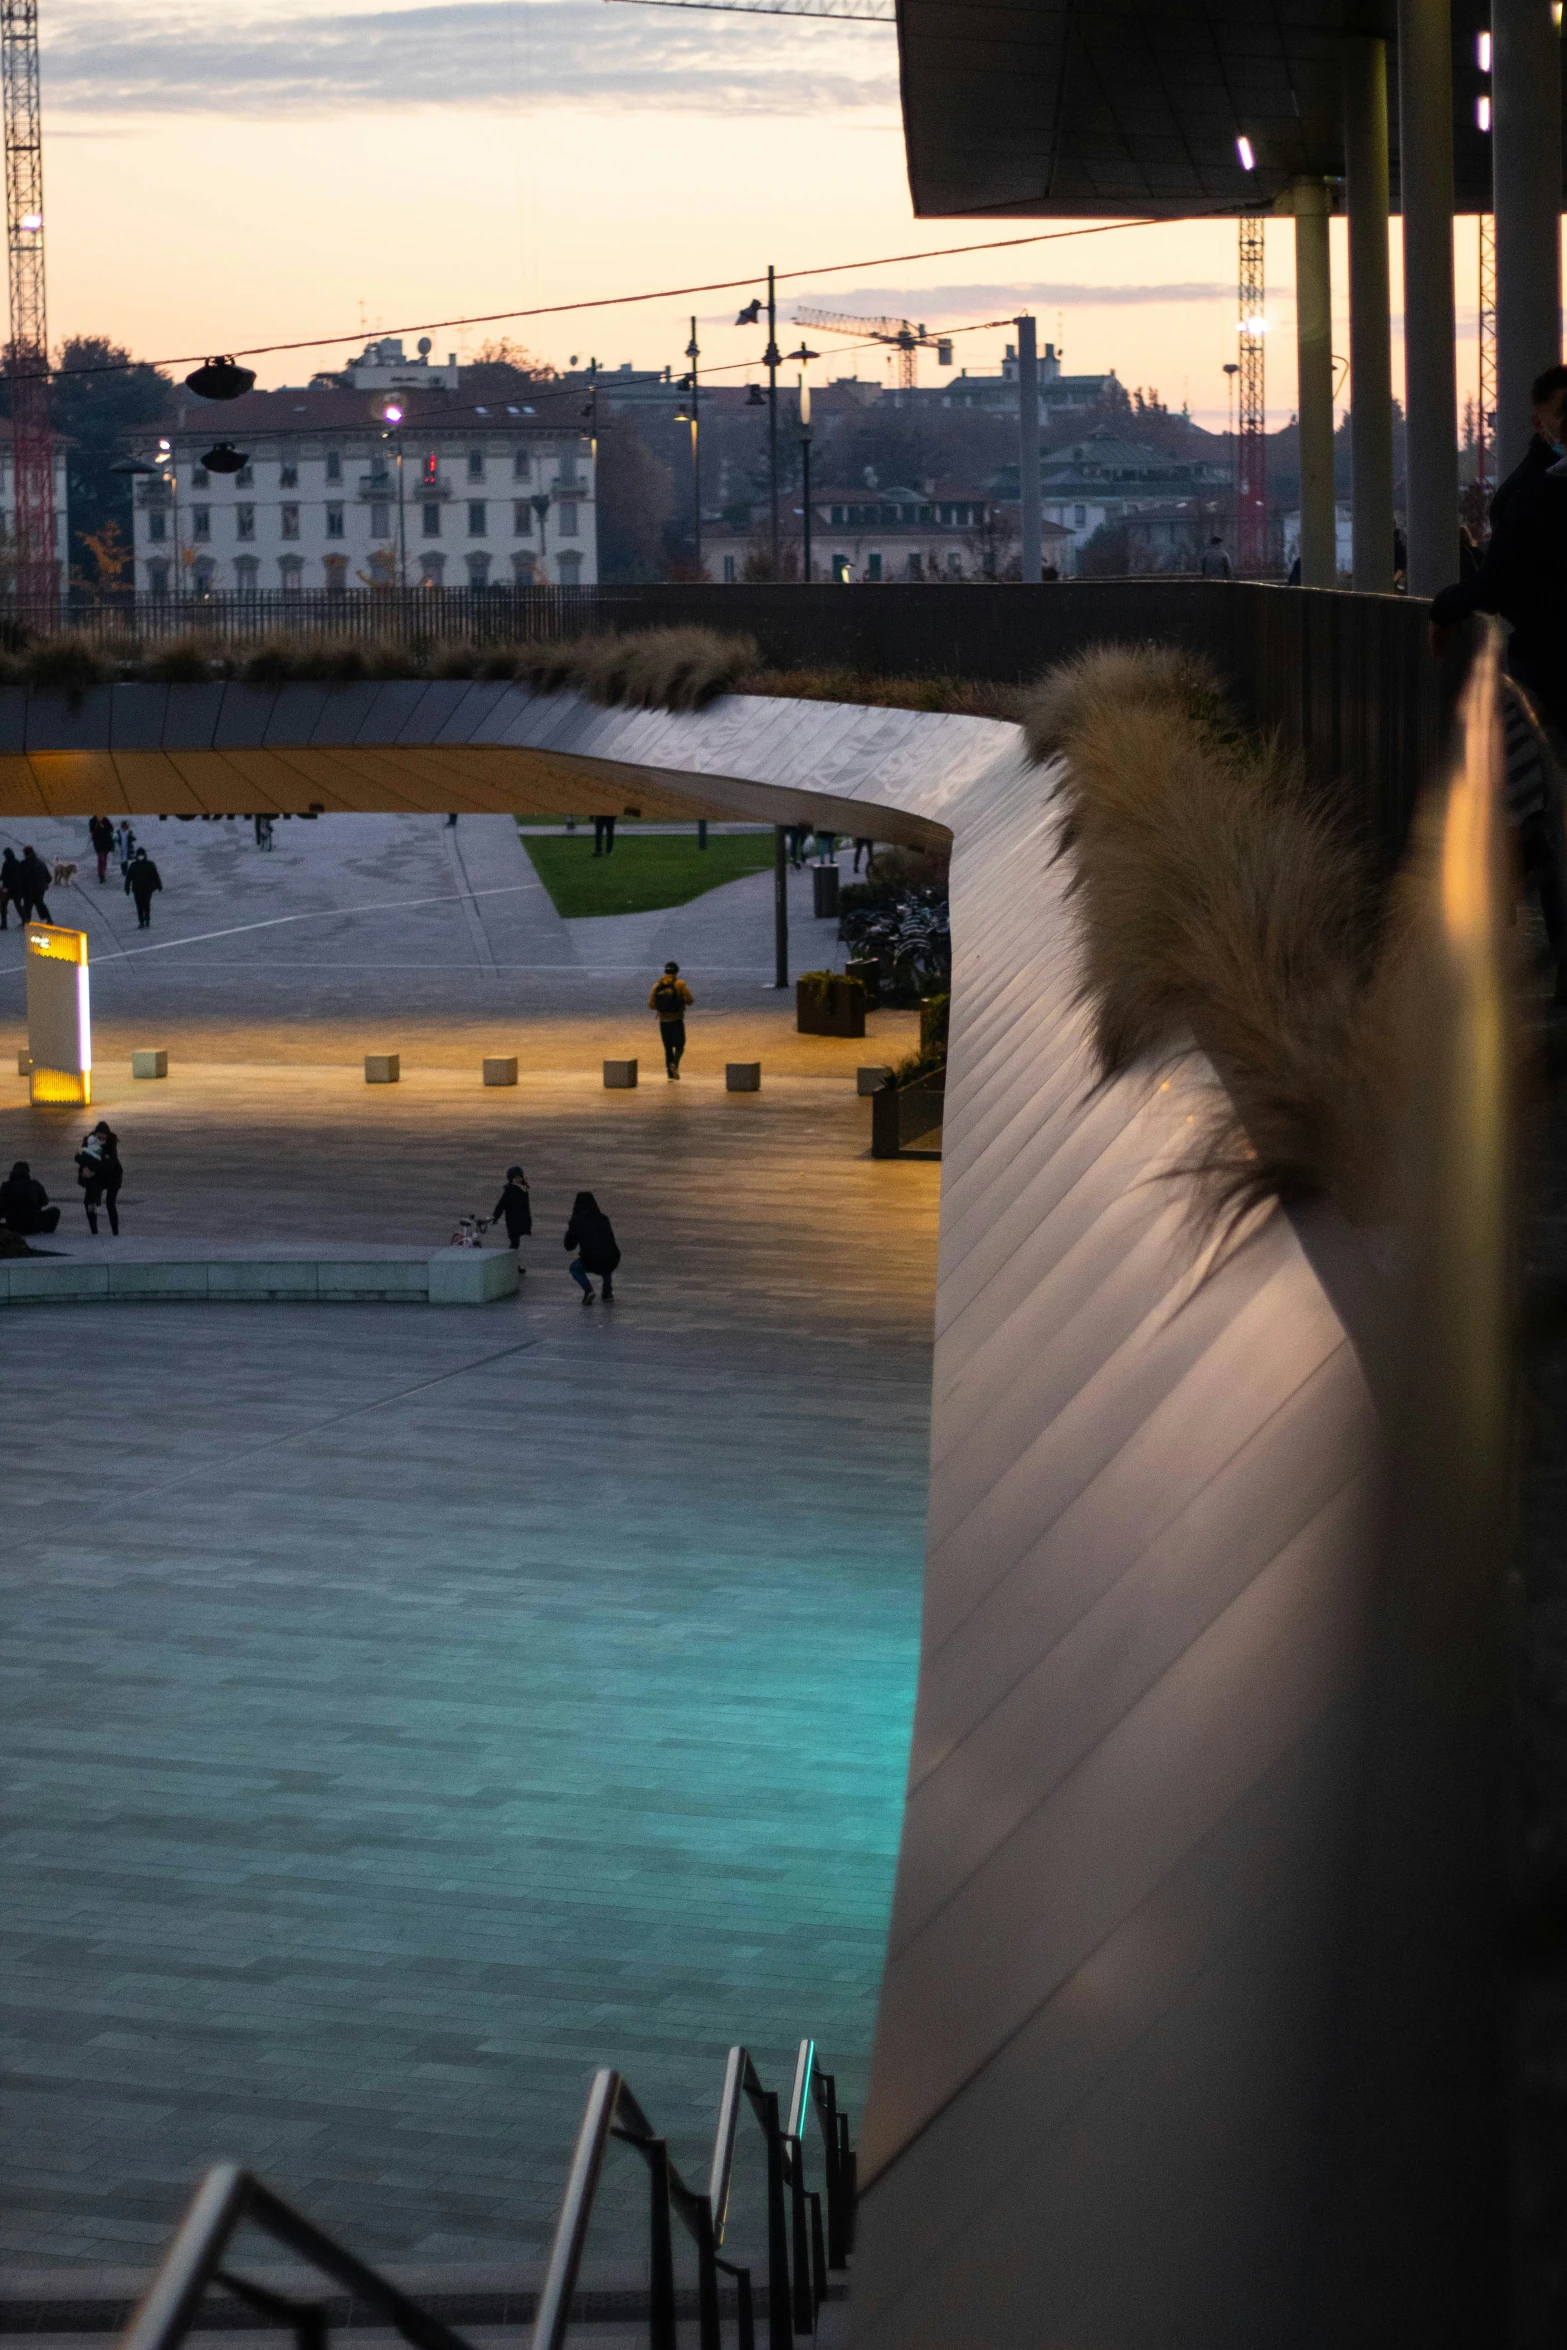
<point x="724" y="285"/>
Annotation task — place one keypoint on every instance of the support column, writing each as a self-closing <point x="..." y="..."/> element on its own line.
<point x="1370" y="305"/>
<point x="1526" y="172"/>
<point x="1028" y="447"/>
<point x="780" y="906"/>
<point x="1314" y="384"/>
<point x="1425" y="141"/>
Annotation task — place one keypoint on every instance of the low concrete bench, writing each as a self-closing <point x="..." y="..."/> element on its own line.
<point x="742" y="1077"/>
<point x="150" y="1063"/>
<point x="383" y="1068"/>
<point x="501" y="1069"/>
<point x="619" y="1075"/>
<point x="451" y="1277"/>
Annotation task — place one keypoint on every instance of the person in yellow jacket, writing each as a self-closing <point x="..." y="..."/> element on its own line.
<point x="669" y="999"/>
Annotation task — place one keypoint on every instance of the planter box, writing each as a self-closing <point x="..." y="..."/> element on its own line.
<point x="838" y="1009"/>
<point x="906" y="1119"/>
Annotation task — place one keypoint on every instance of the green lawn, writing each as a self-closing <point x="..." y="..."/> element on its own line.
<point x="664" y="869"/>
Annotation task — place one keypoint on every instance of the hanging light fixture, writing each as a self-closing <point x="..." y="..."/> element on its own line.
<point x="221" y="379"/>
<point x="225" y="458"/>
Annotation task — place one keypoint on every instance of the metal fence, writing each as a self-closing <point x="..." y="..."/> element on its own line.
<point x="1344" y="680"/>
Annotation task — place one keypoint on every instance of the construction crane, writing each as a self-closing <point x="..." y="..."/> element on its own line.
<point x="905" y="339"/>
<point x="28" y="360"/>
<point x="1251" y="439"/>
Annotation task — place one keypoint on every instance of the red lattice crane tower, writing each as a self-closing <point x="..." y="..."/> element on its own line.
<point x="37" y="568"/>
<point x="1251" y="439"/>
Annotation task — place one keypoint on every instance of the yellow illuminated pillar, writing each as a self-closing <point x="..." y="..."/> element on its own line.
<point x="59" y="1022"/>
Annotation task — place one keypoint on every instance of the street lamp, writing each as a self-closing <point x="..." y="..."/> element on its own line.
<point x="805" y="357"/>
<point x="693" y="382"/>
<point x="771" y="359"/>
<point x="392" y="416"/>
<point x="541" y="507"/>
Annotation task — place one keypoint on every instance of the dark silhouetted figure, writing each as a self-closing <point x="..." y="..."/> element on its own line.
<point x="603" y="836"/>
<point x="24" y="1203"/>
<point x="142" y="880"/>
<point x="101" y="833"/>
<point x="591" y="1235"/>
<point x="35" y="880"/>
<point x="514" y="1207"/>
<point x="100" y="1175"/>
<point x="13" y="889"/>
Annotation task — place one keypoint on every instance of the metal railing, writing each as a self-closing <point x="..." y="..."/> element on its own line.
<point x="799" y="2253"/>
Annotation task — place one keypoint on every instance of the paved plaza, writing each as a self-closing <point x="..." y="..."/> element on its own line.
<point x="407" y="1710"/>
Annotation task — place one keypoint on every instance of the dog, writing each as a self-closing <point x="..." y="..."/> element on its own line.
<point x="64" y="872"/>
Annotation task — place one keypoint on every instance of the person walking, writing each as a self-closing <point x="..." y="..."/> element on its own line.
<point x="24" y="1203"/>
<point x="1522" y="576"/>
<point x="100" y="1175"/>
<point x="671" y="999"/>
<point x="514" y="1207"/>
<point x="125" y="842"/>
<point x="12" y="889"/>
<point x="865" y="848"/>
<point x="35" y="881"/>
<point x="263" y="825"/>
<point x="142" y="880"/>
<point x="603" y="836"/>
<point x="101" y="833"/>
<point x="592" y="1236"/>
<point x="1215" y="562"/>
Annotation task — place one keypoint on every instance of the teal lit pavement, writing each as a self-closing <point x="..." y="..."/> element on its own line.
<point x="406" y="1711"/>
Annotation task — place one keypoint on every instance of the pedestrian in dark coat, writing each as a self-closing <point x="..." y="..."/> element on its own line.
<point x="12" y="889"/>
<point x="101" y="833"/>
<point x="24" y="1203"/>
<point x="100" y="1175"/>
<point x="35" y="880"/>
<point x="142" y="878"/>
<point x="514" y="1207"/>
<point x="593" y="1238"/>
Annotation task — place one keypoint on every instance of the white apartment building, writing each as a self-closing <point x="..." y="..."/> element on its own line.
<point x="386" y="482"/>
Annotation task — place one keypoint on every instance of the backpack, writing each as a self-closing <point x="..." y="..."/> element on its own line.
<point x="667" y="1000"/>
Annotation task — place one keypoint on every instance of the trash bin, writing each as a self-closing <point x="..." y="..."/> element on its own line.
<point x="824" y="892"/>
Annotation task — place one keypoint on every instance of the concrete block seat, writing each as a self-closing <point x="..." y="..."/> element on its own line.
<point x="152" y="1061"/>
<point x="162" y="1273"/>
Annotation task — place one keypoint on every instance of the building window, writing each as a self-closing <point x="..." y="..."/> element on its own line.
<point x="916" y="566"/>
<point x="478" y="571"/>
<point x="1079" y="516"/>
<point x="476" y="465"/>
<point x="841" y="569"/>
<point x="246" y="571"/>
<point x="954" y="565"/>
<point x="431" y="570"/>
<point x="290" y="516"/>
<point x="432" y="521"/>
<point x="336" y="575"/>
<point x="158" y="578"/>
<point x="570" y="570"/>
<point x="521" y="519"/>
<point x="334" y="522"/>
<point x="837" y="515"/>
<point x="521" y="465"/>
<point x="478" y="525"/>
<point x="288" y="475"/>
<point x="334" y="465"/>
<point x="566" y="518"/>
<point x="199" y="477"/>
<point x="522" y="570"/>
<point x="203" y="574"/>
<point x="292" y="570"/>
<point x="873" y="566"/>
<point x="380" y="522"/>
<point x="380" y="471"/>
<point x="567" y="476"/>
<point x="244" y="522"/>
<point x="729" y="570"/>
<point x="245" y="479"/>
<point x="201" y="522"/>
<point x="157" y="524"/>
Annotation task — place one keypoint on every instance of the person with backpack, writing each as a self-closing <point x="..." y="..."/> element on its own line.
<point x="591" y="1234"/>
<point x="671" y="999"/>
<point x="514" y="1207"/>
<point x="100" y="1175"/>
<point x="142" y="878"/>
<point x="101" y="833"/>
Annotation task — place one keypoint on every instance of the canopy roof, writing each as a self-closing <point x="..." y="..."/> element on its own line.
<point x="1109" y="109"/>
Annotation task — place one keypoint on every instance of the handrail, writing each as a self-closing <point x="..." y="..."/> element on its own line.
<point x="796" y="2286"/>
<point x="227" y="2199"/>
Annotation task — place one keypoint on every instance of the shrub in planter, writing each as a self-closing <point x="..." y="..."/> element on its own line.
<point x="827" y="1004"/>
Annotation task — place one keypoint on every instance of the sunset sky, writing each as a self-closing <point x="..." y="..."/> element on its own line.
<point x="213" y="185"/>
